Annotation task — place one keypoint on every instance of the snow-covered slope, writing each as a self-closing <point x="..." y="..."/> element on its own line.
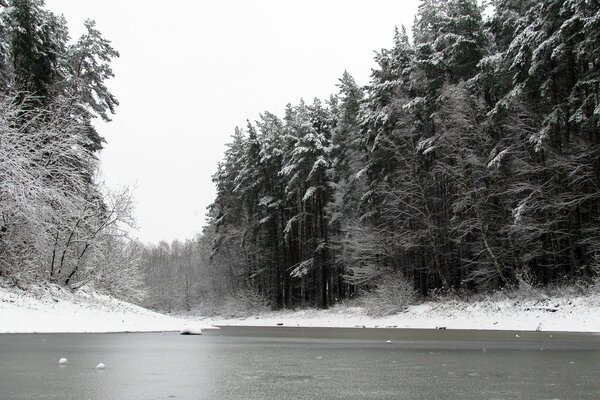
<point x="51" y="308"/>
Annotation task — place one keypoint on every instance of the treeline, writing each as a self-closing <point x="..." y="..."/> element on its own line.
<point x="470" y="161"/>
<point x="177" y="275"/>
<point x="180" y="276"/>
<point x="56" y="222"/>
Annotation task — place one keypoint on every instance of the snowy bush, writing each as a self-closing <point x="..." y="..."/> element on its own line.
<point x="392" y="294"/>
<point x="242" y="303"/>
<point x="596" y="272"/>
<point x="117" y="269"/>
<point x="526" y="282"/>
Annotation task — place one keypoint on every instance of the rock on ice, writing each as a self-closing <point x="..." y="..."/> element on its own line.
<point x="62" y="361"/>
<point x="100" y="366"/>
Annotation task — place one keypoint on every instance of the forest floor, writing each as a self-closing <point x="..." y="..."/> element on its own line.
<point x="50" y="308"/>
<point x="569" y="309"/>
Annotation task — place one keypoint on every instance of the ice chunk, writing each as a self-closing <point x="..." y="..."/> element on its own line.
<point x="100" y="366"/>
<point x="62" y="361"/>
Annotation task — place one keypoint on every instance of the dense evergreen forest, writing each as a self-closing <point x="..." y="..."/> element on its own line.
<point x="469" y="162"/>
<point x="56" y="223"/>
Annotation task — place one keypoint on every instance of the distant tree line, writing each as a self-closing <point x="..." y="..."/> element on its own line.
<point x="178" y="275"/>
<point x="470" y="161"/>
<point x="56" y="222"/>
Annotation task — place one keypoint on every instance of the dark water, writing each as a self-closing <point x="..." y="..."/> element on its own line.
<point x="170" y="366"/>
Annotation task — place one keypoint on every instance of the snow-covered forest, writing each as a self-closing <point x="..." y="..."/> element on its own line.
<point x="57" y="224"/>
<point x="470" y="161"/>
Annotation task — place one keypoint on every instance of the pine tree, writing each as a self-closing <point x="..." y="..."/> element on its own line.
<point x="307" y="167"/>
<point x="381" y="112"/>
<point x="226" y="215"/>
<point x="37" y="42"/>
<point x="272" y="207"/>
<point x="87" y="65"/>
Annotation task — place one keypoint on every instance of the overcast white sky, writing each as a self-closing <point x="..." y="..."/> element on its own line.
<point x="190" y="71"/>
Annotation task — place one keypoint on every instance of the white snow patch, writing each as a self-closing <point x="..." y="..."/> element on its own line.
<point x="52" y="309"/>
<point x="569" y="314"/>
<point x="495" y="162"/>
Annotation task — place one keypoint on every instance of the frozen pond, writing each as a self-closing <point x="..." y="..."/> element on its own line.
<point x="170" y="366"/>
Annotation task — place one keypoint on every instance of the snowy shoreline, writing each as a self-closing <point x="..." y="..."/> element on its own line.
<point x="567" y="313"/>
<point x="51" y="309"/>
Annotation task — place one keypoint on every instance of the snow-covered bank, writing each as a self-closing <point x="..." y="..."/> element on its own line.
<point x="53" y="309"/>
<point x="562" y="313"/>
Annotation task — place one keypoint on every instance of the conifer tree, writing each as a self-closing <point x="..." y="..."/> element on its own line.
<point x="38" y="40"/>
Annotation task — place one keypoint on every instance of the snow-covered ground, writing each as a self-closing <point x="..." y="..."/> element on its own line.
<point x="560" y="313"/>
<point x="53" y="309"/>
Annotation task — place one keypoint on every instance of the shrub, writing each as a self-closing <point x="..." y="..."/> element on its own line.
<point x="391" y="295"/>
<point x="243" y="303"/>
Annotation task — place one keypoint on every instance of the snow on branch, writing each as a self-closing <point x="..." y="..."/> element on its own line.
<point x="302" y="268"/>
